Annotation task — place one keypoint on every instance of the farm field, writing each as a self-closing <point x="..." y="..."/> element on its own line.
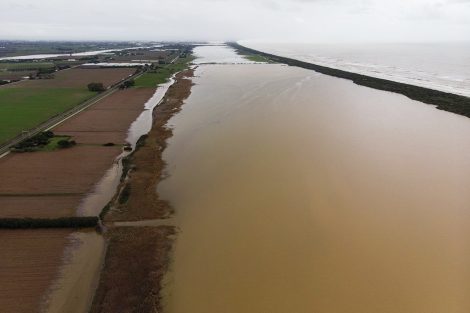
<point x="16" y="48"/>
<point x="16" y="75"/>
<point x="23" y="191"/>
<point x="29" y="263"/>
<point x="133" y="55"/>
<point x="24" y="108"/>
<point x="80" y="78"/>
<point x="16" y="66"/>
<point x="109" y="119"/>
<point x="29" y="103"/>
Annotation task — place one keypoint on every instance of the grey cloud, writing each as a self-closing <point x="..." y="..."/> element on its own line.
<point x="275" y="20"/>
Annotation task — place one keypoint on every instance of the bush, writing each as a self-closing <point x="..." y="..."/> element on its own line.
<point x="127" y="84"/>
<point x="125" y="194"/>
<point x="46" y="70"/>
<point x="64" y="143"/>
<point x="97" y="87"/>
<point x="34" y="142"/>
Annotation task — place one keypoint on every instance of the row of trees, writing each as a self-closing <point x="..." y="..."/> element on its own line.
<point x="99" y="87"/>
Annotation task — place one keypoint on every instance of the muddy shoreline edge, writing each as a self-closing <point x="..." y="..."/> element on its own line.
<point x="442" y="100"/>
<point x="138" y="257"/>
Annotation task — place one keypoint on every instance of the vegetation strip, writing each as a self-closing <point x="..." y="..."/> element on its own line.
<point x="63" y="222"/>
<point x="132" y="284"/>
<point x="145" y="165"/>
<point x="444" y="101"/>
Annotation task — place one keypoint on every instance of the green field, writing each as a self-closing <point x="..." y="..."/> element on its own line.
<point x="162" y="74"/>
<point x="151" y="79"/>
<point x="24" y="108"/>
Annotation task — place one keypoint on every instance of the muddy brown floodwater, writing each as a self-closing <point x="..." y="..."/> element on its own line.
<point x="298" y="192"/>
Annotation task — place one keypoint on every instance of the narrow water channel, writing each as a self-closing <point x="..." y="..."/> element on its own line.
<point x="74" y="287"/>
<point x="106" y="188"/>
<point x="299" y="192"/>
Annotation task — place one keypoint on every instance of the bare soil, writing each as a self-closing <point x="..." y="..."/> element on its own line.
<point x="29" y="262"/>
<point x="147" y="162"/>
<point x="108" y="120"/>
<point x="39" y="206"/>
<point x="66" y="171"/>
<point x="135" y="263"/>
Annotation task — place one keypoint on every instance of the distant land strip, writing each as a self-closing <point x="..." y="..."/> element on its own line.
<point x="442" y="100"/>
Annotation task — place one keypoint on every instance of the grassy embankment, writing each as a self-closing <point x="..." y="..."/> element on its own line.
<point x="443" y="100"/>
<point x="24" y="108"/>
<point x="254" y="57"/>
<point x="258" y="58"/>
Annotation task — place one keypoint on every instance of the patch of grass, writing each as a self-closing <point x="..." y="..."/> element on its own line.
<point x="254" y="57"/>
<point x="162" y="74"/>
<point x="54" y="143"/>
<point x="257" y="58"/>
<point x="24" y="108"/>
<point x="152" y="79"/>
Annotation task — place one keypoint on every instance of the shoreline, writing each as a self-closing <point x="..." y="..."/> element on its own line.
<point x="442" y="100"/>
<point x="137" y="200"/>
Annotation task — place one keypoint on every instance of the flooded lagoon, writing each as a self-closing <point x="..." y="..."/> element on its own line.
<point x="299" y="192"/>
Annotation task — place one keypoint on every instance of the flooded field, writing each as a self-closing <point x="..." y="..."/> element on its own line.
<point x="298" y="192"/>
<point x="29" y="269"/>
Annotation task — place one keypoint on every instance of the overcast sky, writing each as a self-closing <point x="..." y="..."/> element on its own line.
<point x="270" y="20"/>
